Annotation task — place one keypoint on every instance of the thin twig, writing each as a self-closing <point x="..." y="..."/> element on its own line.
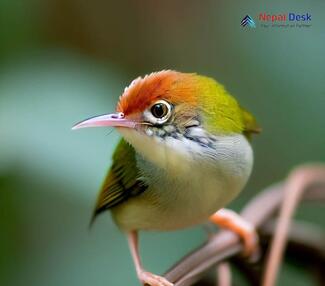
<point x="306" y="245"/>
<point x="223" y="274"/>
<point x="294" y="188"/>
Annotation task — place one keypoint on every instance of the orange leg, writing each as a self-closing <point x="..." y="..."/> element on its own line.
<point x="145" y="277"/>
<point x="229" y="219"/>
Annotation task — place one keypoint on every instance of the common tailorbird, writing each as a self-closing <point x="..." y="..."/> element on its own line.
<point x="185" y="153"/>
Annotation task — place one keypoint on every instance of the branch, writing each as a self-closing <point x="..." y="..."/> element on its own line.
<point x="295" y="187"/>
<point x="226" y="244"/>
<point x="305" y="246"/>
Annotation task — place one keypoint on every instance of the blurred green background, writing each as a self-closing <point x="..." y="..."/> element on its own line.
<point x="65" y="60"/>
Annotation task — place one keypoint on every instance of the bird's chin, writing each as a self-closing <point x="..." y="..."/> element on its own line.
<point x="152" y="148"/>
<point x="129" y="133"/>
<point x="167" y="156"/>
<point x="138" y="139"/>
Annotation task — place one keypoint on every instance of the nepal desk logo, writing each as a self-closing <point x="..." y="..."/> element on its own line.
<point x="248" y="21"/>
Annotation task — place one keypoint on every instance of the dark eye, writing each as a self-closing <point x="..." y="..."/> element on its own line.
<point x="159" y="110"/>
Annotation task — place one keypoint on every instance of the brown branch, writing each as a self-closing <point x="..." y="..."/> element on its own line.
<point x="224" y="274"/>
<point x="226" y="244"/>
<point x="306" y="245"/>
<point x="294" y="188"/>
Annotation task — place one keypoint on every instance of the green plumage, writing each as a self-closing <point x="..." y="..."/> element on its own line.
<point x="221" y="111"/>
<point x="121" y="181"/>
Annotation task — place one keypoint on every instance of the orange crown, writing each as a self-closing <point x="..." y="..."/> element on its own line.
<point x="172" y="86"/>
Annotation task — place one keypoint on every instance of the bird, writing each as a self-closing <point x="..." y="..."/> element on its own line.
<point x="185" y="153"/>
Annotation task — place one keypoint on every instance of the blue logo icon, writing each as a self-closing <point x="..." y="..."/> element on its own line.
<point x="248" y="21"/>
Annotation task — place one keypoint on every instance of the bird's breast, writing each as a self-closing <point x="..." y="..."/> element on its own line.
<point x="187" y="181"/>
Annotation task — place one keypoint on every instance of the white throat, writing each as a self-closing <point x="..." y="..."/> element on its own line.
<point x="233" y="153"/>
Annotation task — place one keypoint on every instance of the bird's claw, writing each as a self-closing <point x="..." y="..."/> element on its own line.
<point x="247" y="232"/>
<point x="250" y="238"/>
<point x="150" y="279"/>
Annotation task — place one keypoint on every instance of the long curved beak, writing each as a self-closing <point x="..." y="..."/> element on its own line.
<point x="114" y="120"/>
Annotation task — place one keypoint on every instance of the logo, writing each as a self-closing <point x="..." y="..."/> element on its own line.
<point x="278" y="20"/>
<point x="248" y="22"/>
<point x="284" y="17"/>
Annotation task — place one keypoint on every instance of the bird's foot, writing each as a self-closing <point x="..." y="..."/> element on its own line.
<point x="148" y="278"/>
<point x="229" y="219"/>
<point x="248" y="234"/>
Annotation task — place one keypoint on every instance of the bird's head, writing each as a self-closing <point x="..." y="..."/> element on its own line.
<point x="167" y="104"/>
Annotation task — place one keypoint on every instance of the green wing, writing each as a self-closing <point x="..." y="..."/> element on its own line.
<point x="122" y="180"/>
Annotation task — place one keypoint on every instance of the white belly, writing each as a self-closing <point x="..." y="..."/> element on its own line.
<point x="186" y="185"/>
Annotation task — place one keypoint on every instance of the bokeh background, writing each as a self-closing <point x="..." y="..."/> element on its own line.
<point x="65" y="60"/>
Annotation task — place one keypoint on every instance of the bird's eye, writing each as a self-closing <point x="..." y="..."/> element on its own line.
<point x="159" y="110"/>
<point x="158" y="113"/>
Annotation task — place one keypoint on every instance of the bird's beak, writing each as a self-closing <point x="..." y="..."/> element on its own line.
<point x="114" y="120"/>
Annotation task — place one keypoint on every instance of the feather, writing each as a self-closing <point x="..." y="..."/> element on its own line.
<point x="122" y="181"/>
<point x="171" y="86"/>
